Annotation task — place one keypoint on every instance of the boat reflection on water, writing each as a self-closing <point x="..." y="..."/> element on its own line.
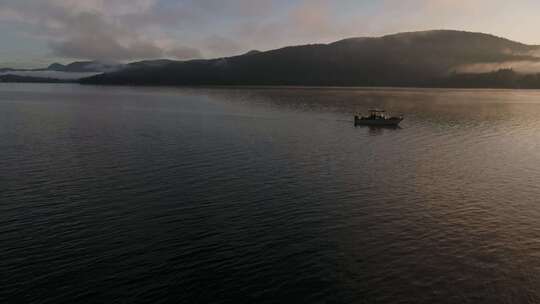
<point x="379" y="130"/>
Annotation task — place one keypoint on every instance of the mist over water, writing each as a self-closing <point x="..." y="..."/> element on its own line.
<point x="267" y="195"/>
<point x="52" y="74"/>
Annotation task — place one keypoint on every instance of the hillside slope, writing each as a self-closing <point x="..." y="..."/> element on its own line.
<point x="405" y="59"/>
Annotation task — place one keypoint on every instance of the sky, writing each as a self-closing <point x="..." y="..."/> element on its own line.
<point x="35" y="33"/>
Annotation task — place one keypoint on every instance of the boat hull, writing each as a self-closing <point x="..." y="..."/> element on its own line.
<point x="377" y="122"/>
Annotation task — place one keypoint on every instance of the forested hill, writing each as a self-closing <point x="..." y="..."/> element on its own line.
<point x="430" y="58"/>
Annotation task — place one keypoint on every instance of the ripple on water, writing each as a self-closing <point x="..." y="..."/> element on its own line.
<point x="267" y="195"/>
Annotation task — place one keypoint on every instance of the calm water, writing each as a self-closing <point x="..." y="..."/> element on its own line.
<point x="166" y="195"/>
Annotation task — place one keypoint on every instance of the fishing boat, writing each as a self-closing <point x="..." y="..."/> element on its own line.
<point x="377" y="117"/>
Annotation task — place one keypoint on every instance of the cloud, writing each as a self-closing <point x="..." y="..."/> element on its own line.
<point x="128" y="30"/>
<point x="217" y="45"/>
<point x="305" y="22"/>
<point x="182" y="52"/>
<point x="90" y="35"/>
<point x="106" y="7"/>
<point x="93" y="29"/>
<point x="313" y="18"/>
<point x="524" y="66"/>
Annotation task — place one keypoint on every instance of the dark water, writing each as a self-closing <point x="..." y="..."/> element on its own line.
<point x="164" y="195"/>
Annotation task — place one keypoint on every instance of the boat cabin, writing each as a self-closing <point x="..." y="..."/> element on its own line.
<point x="377" y="114"/>
<point x="377" y="117"/>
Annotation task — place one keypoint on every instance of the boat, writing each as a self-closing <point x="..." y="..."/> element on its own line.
<point x="377" y="117"/>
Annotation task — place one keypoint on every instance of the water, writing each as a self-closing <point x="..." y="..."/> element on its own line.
<point x="267" y="195"/>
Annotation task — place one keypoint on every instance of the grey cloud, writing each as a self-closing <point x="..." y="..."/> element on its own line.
<point x="90" y="33"/>
<point x="150" y="29"/>
<point x="103" y="48"/>
<point x="217" y="45"/>
<point x="184" y="53"/>
<point x="91" y="36"/>
<point x="113" y="30"/>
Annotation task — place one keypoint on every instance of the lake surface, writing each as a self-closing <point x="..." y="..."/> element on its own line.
<point x="267" y="195"/>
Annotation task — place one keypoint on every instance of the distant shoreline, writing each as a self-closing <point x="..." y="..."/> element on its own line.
<point x="443" y="59"/>
<point x="310" y="87"/>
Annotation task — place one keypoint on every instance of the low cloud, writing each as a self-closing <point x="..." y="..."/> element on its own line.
<point x="525" y="67"/>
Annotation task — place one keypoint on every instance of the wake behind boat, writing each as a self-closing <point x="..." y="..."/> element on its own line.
<point x="377" y="118"/>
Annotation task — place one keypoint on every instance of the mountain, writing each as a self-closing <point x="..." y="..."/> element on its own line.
<point x="150" y="63"/>
<point x="429" y="58"/>
<point x="252" y="52"/>
<point x="56" y="67"/>
<point x="57" y="72"/>
<point x="85" y="67"/>
<point x="74" y="67"/>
